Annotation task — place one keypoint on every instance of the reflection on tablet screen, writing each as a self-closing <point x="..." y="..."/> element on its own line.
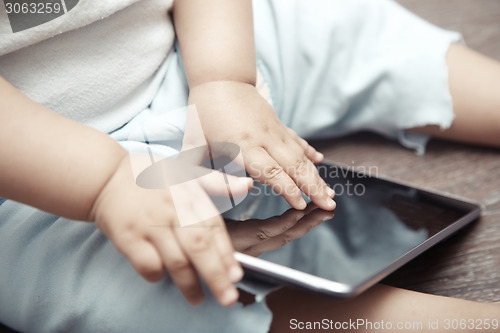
<point x="375" y="223"/>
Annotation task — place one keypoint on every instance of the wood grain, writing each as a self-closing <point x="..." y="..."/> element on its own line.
<point x="477" y="20"/>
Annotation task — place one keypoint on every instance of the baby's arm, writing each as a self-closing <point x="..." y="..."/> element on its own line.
<point x="49" y="161"/>
<point x="217" y="40"/>
<point x="217" y="44"/>
<point x="68" y="169"/>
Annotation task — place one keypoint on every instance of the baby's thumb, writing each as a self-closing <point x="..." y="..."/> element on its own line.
<point x="192" y="154"/>
<point x="217" y="183"/>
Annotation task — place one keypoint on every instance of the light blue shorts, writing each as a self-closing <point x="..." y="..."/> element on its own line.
<point x="332" y="67"/>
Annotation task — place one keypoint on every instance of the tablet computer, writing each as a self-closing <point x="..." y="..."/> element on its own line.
<point x="378" y="226"/>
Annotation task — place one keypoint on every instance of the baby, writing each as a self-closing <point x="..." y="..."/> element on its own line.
<point x="329" y="70"/>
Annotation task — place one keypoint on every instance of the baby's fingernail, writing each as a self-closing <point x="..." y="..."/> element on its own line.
<point x="229" y="297"/>
<point x="319" y="156"/>
<point x="299" y="216"/>
<point x="326" y="218"/>
<point x="331" y="204"/>
<point x="235" y="273"/>
<point x="302" y="204"/>
<point x="330" y="191"/>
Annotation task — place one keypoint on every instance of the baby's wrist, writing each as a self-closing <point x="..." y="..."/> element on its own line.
<point x="220" y="90"/>
<point x="118" y="179"/>
<point x="248" y="78"/>
<point x="224" y="84"/>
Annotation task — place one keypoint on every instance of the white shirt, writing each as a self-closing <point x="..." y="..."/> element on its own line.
<point x="97" y="64"/>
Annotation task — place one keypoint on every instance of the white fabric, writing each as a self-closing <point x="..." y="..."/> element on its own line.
<point x="96" y="64"/>
<point x="336" y="67"/>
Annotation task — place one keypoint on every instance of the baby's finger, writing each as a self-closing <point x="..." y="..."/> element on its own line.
<point x="306" y="224"/>
<point x="265" y="169"/>
<point x="248" y="233"/>
<point x="143" y="257"/>
<point x="220" y="184"/>
<point x="309" y="151"/>
<point x="194" y="155"/>
<point x="304" y="173"/>
<point x="178" y="265"/>
<point x="313" y="155"/>
<point x="226" y="251"/>
<point x="198" y="244"/>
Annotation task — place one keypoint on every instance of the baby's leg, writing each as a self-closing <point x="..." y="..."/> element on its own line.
<point x="383" y="309"/>
<point x="475" y="89"/>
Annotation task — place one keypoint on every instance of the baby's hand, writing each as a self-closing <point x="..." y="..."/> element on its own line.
<point x="273" y="154"/>
<point x="143" y="226"/>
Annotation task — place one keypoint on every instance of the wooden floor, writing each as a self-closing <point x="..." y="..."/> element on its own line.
<point x="477" y="20"/>
<point x="467" y="265"/>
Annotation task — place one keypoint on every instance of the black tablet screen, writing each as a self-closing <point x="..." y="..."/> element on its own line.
<point x="375" y="223"/>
